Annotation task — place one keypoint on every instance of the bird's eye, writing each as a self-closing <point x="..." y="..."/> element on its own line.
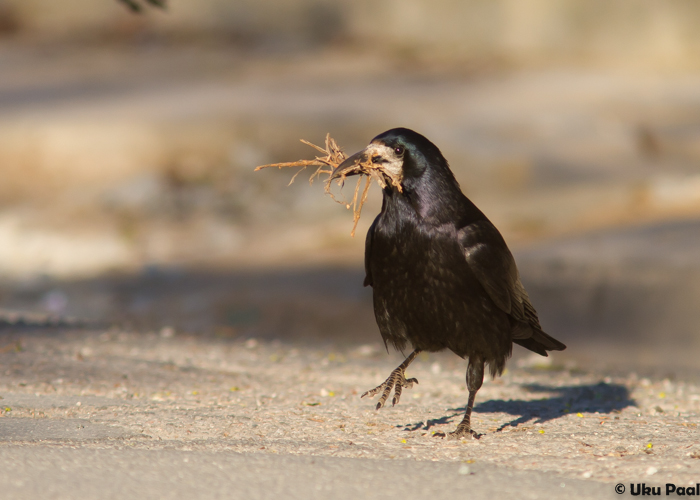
<point x="399" y="150"/>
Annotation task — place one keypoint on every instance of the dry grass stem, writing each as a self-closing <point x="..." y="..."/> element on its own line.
<point x="333" y="157"/>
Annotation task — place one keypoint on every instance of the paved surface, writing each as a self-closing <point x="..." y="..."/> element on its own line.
<point x="167" y="415"/>
<point x="126" y="473"/>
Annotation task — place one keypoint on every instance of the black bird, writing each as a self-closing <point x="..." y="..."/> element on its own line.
<point x="441" y="273"/>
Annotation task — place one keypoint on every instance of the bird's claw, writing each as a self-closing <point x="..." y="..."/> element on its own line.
<point x="397" y="381"/>
<point x="461" y="433"/>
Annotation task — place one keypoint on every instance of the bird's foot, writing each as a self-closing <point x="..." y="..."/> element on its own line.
<point x="463" y="432"/>
<point x="397" y="381"/>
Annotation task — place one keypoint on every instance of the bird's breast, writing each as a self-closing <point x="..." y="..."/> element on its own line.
<point x="424" y="291"/>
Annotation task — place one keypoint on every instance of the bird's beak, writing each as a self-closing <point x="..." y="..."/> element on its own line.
<point x="351" y="166"/>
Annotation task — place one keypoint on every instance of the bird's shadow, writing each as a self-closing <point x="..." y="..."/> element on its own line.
<point x="601" y="398"/>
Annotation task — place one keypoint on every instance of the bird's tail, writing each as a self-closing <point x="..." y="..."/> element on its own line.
<point x="540" y="342"/>
<point x="529" y="333"/>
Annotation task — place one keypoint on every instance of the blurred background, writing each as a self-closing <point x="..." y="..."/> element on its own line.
<point x="128" y="143"/>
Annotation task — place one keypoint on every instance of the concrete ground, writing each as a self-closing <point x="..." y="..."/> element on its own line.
<point x="104" y="413"/>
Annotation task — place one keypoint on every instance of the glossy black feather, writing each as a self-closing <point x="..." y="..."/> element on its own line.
<point x="442" y="275"/>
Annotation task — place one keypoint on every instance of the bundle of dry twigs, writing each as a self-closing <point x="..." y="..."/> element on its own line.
<point x="326" y="164"/>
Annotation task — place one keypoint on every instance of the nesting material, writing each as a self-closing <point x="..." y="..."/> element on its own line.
<point x="327" y="164"/>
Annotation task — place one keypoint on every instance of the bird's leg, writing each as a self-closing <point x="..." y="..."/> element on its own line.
<point x="475" y="377"/>
<point x="397" y="381"/>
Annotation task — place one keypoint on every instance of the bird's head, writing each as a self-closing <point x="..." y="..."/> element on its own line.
<point x="400" y="156"/>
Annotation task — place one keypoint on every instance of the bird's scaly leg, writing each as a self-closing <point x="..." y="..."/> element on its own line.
<point x="475" y="377"/>
<point x="397" y="381"/>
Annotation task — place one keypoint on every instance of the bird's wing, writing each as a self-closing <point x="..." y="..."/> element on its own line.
<point x="368" y="253"/>
<point x="493" y="265"/>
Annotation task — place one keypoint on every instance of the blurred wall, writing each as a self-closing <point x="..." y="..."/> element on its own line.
<point x="648" y="32"/>
<point x="129" y="140"/>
